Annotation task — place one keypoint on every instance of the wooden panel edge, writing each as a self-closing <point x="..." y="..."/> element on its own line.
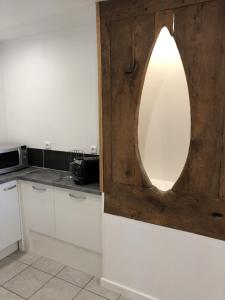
<point x="142" y="7"/>
<point x="99" y="57"/>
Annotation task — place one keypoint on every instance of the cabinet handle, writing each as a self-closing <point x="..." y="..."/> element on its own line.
<point x="9" y="188"/>
<point x="38" y="189"/>
<point x="77" y="197"/>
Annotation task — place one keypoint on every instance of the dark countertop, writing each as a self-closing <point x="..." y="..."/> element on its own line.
<point x="50" y="177"/>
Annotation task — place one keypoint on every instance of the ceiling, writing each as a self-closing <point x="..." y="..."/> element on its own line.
<point x="26" y="17"/>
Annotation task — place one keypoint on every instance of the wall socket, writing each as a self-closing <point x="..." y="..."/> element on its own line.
<point x="93" y="149"/>
<point x="48" y="145"/>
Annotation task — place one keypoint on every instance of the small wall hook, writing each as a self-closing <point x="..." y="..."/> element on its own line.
<point x="132" y="68"/>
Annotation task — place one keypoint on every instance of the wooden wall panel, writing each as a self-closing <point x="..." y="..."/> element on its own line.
<point x="119" y="9"/>
<point x="199" y="31"/>
<point x="196" y="202"/>
<point x="128" y="39"/>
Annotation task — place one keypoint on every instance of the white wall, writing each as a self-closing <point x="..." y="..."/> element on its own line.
<point x="161" y="263"/>
<point x="50" y="88"/>
<point x="2" y="108"/>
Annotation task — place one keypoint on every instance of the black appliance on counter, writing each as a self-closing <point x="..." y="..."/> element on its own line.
<point x="86" y="170"/>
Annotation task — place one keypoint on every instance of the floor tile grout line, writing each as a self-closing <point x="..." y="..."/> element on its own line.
<point x="88" y="282"/>
<point x="55" y="276"/>
<point x="81" y="287"/>
<point x="93" y="294"/>
<point x="65" y="266"/>
<point x="41" y="287"/>
<point x="73" y="282"/>
<point x="103" y="297"/>
<point x="31" y="263"/>
<point x="27" y="267"/>
<point x="38" y="269"/>
<point x="14" y="293"/>
<point x="74" y="298"/>
<point x="45" y="285"/>
<point x="52" y="276"/>
<point x="18" y="259"/>
<point x="69" y="282"/>
<point x="15" y="275"/>
<point x="35" y="268"/>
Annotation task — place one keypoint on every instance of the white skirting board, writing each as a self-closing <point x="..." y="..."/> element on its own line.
<point x="125" y="291"/>
<point x="68" y="254"/>
<point x="9" y="250"/>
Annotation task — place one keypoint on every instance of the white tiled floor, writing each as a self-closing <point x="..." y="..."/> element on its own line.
<point x="28" y="276"/>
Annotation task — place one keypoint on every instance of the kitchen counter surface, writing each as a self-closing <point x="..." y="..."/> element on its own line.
<point x="50" y="177"/>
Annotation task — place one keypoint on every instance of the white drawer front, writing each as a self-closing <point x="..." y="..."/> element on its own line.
<point x="10" y="225"/>
<point x="78" y="219"/>
<point x="38" y="202"/>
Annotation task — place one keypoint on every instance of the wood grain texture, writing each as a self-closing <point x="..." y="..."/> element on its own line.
<point x="98" y="29"/>
<point x="221" y="71"/>
<point x="128" y="39"/>
<point x="196" y="215"/>
<point x="106" y="104"/>
<point x="196" y="202"/>
<point x="199" y="31"/>
<point x="164" y="18"/>
<point x="119" y="9"/>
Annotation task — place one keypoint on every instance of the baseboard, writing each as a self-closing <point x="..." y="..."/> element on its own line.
<point x="125" y="291"/>
<point x="9" y="250"/>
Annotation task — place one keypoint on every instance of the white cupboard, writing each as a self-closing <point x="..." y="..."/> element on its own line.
<point x="66" y="215"/>
<point x="10" y="223"/>
<point x="78" y="218"/>
<point x="38" y="201"/>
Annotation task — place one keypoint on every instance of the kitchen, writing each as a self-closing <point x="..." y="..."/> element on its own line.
<point x="112" y="169"/>
<point x="49" y="118"/>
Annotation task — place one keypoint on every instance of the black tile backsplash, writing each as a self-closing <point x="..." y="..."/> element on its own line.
<point x="35" y="157"/>
<point x="58" y="160"/>
<point x="51" y="159"/>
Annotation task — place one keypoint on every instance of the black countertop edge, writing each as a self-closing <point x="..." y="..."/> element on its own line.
<point x="49" y="177"/>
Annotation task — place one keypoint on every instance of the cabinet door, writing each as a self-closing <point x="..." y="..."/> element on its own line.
<point x="78" y="218"/>
<point x="39" y="207"/>
<point x="10" y="227"/>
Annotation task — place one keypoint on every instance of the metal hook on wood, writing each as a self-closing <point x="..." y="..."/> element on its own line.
<point x="132" y="68"/>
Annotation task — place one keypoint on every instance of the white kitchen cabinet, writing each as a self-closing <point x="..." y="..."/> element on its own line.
<point x="10" y="223"/>
<point x="78" y="218"/>
<point x="38" y="202"/>
<point x="70" y="216"/>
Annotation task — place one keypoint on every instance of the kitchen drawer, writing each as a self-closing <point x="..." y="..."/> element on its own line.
<point x="10" y="223"/>
<point x="38" y="200"/>
<point x="78" y="218"/>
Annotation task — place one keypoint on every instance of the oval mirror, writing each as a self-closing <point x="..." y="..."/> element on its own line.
<point x="164" y="125"/>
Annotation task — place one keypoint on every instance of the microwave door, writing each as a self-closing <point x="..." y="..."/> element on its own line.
<point x="9" y="160"/>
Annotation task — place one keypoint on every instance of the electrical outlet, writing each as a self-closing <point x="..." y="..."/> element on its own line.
<point x="48" y="145"/>
<point x="93" y="149"/>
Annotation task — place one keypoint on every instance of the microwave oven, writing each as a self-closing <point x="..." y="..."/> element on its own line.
<point x="12" y="158"/>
